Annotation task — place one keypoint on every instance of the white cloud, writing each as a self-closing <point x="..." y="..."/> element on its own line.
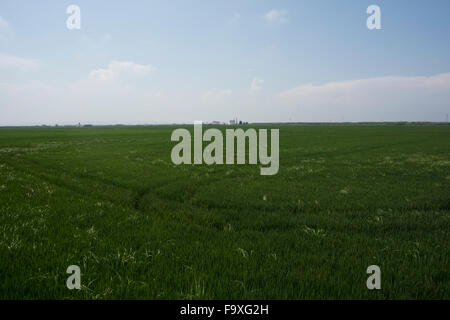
<point x="118" y="68"/>
<point x="375" y="99"/>
<point x="276" y="16"/>
<point x="92" y="101"/>
<point x="3" y="23"/>
<point x="234" y="19"/>
<point x="5" y="29"/>
<point x="256" y="85"/>
<point x="13" y="62"/>
<point x="216" y="95"/>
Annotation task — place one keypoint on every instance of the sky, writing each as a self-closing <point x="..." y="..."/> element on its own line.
<point x="149" y="62"/>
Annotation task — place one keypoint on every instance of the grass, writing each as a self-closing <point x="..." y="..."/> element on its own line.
<point x="109" y="200"/>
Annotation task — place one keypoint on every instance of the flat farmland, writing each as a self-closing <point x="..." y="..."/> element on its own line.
<point x="110" y="200"/>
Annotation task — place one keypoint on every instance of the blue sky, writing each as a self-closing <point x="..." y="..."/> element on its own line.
<point x="180" y="61"/>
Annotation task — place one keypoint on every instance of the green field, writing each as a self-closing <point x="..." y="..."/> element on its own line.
<point x="109" y="200"/>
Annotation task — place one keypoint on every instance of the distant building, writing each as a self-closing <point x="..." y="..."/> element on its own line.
<point x="235" y="122"/>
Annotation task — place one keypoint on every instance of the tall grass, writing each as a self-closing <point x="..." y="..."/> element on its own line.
<point x="109" y="200"/>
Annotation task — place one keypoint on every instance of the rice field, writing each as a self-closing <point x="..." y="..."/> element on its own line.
<point x="109" y="200"/>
